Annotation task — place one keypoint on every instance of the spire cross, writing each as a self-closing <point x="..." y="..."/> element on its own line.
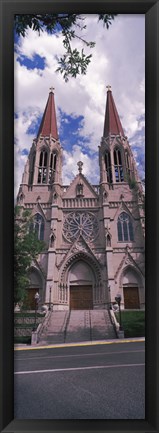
<point x="108" y="87"/>
<point x="52" y="89"/>
<point x="80" y="163"/>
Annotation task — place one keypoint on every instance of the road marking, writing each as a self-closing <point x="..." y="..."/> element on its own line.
<point x="88" y="343"/>
<point x="55" y="370"/>
<point x="81" y="355"/>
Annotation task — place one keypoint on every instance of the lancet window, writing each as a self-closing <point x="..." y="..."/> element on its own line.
<point x="125" y="228"/>
<point x="108" y="167"/>
<point x="118" y="167"/>
<point x="37" y="225"/>
<point x="127" y="162"/>
<point x="42" y="171"/>
<point x="31" y="171"/>
<point x="52" y="167"/>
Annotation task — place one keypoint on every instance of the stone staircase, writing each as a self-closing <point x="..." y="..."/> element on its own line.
<point x="101" y="326"/>
<point x="56" y="327"/>
<point x="78" y="326"/>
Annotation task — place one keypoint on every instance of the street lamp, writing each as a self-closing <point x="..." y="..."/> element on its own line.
<point x="118" y="300"/>
<point x="37" y="296"/>
<point x="50" y="299"/>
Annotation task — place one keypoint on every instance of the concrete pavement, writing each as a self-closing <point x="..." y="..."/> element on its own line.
<point x="93" y="381"/>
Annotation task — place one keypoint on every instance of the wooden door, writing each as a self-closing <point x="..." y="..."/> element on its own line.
<point x="81" y="298"/>
<point x="131" y="298"/>
<point x="30" y="299"/>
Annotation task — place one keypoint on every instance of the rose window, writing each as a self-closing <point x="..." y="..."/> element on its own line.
<point x="84" y="223"/>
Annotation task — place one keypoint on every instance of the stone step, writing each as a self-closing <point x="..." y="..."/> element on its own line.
<point x="78" y="325"/>
<point x="78" y="328"/>
<point x="55" y="330"/>
<point x="101" y="327"/>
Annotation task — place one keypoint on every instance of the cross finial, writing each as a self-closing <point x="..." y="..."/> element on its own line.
<point x="108" y="87"/>
<point x="52" y="89"/>
<point x="80" y="163"/>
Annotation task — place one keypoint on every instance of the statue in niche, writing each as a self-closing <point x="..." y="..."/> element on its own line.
<point x="108" y="240"/>
<point x="54" y="197"/>
<point x="79" y="189"/>
<point x="105" y="196"/>
<point x="21" y="196"/>
<point x="52" y="239"/>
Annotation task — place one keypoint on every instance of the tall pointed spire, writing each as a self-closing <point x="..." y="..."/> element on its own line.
<point x="48" y="124"/>
<point x="112" y="124"/>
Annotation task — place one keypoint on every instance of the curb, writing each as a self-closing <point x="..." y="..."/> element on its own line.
<point x="80" y="344"/>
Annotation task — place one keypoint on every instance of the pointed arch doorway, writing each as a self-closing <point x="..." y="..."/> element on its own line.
<point x="81" y="281"/>
<point x="132" y="288"/>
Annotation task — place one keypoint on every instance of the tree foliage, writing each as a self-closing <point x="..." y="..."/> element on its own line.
<point x="73" y="62"/>
<point x="26" y="249"/>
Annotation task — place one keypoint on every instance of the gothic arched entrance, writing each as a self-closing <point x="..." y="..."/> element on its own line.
<point x="132" y="288"/>
<point x="81" y="281"/>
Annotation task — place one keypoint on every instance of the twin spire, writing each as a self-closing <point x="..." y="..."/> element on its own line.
<point x="112" y="124"/>
<point x="49" y="124"/>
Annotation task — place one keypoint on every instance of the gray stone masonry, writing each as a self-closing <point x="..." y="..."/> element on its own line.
<point x="78" y="326"/>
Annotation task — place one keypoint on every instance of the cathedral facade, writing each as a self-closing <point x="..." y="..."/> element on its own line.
<point x="93" y="234"/>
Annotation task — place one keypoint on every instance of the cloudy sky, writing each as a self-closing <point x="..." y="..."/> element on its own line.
<point x="118" y="59"/>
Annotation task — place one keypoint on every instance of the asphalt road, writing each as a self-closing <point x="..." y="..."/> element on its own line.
<point x="87" y="382"/>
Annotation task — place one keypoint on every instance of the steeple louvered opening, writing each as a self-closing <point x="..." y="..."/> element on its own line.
<point x="31" y="168"/>
<point x="42" y="170"/>
<point x="118" y="165"/>
<point x="108" y="167"/>
<point x="47" y="167"/>
<point x="127" y="162"/>
<point x="52" y="166"/>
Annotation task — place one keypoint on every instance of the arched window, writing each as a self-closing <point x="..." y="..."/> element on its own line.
<point x="52" y="167"/>
<point x="42" y="172"/>
<point x="125" y="228"/>
<point x="31" y="171"/>
<point x="37" y="225"/>
<point x="119" y="175"/>
<point x="108" y="167"/>
<point x="127" y="162"/>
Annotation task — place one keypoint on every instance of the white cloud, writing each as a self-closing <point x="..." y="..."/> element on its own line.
<point x="118" y="59"/>
<point x="70" y="168"/>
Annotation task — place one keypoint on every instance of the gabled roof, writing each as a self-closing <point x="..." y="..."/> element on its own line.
<point x="112" y="124"/>
<point x="88" y="190"/>
<point x="48" y="124"/>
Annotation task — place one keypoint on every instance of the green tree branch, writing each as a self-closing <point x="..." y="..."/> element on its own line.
<point x="73" y="62"/>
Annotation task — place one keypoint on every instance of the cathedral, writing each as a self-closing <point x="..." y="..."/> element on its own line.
<point x="93" y="234"/>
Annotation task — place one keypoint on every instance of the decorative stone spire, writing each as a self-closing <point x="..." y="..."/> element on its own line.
<point x="112" y="124"/>
<point x="80" y="164"/>
<point x="48" y="124"/>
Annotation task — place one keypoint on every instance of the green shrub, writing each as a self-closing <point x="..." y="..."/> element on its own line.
<point x="23" y="314"/>
<point x="133" y="323"/>
<point x="22" y="340"/>
<point x="25" y="325"/>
